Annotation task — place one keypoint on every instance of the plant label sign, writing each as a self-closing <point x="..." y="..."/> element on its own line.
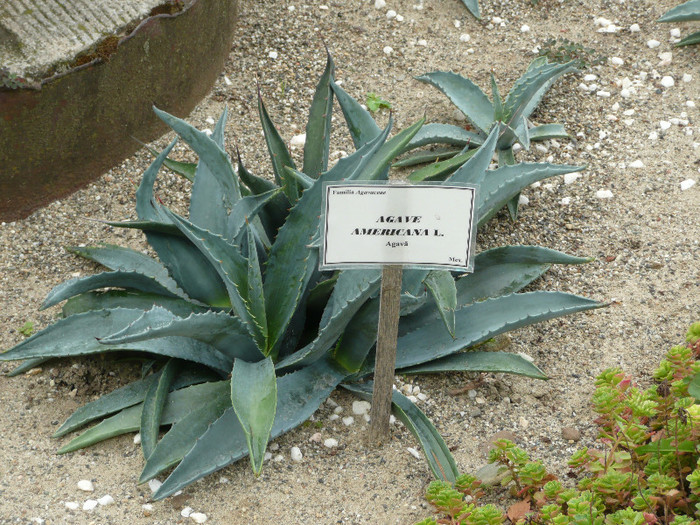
<point x="414" y="225"/>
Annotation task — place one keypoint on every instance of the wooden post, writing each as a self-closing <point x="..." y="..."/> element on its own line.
<point x="387" y="332"/>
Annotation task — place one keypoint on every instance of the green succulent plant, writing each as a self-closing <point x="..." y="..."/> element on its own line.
<point x="686" y="12"/>
<point x="246" y="337"/>
<point x="510" y="116"/>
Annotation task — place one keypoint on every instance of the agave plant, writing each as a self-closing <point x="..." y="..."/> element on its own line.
<point x="511" y="115"/>
<point x="244" y="336"/>
<point x="685" y="12"/>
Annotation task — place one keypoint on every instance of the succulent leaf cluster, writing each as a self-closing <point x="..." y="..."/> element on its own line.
<point x="244" y="337"/>
<point x="509" y="115"/>
<point x="645" y="468"/>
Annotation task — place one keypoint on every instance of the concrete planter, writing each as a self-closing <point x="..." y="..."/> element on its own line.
<point x="58" y="138"/>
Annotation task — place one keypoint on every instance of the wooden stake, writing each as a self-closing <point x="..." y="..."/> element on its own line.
<point x="387" y="332"/>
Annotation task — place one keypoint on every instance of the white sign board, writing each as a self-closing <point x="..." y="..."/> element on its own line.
<point x="425" y="226"/>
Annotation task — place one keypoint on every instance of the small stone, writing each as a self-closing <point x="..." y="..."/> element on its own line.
<point x="636" y="164"/>
<point x="298" y="140"/>
<point x="687" y="184"/>
<point x="525" y="28"/>
<point x="570" y="433"/>
<point x="105" y="500"/>
<point x="391" y="14"/>
<point x="72" y="505"/>
<point x="330" y="443"/>
<point x="421" y="396"/>
<point x="361" y="407"/>
<point x="457" y="24"/>
<point x="392" y="419"/>
<point x="690" y="104"/>
<point x="379" y="4"/>
<point x="198" y="517"/>
<point x="338" y="410"/>
<point x="333" y="417"/>
<point x="524" y="423"/>
<point x="296" y="454"/>
<point x="137" y="438"/>
<point x="388" y="50"/>
<point x="604" y="194"/>
<point x="399" y="18"/>
<point x="413" y="452"/>
<point x="625" y="93"/>
<point x="154" y="484"/>
<point x="604" y="94"/>
<point x="667" y="82"/>
<point x="278" y="458"/>
<point x="464" y="37"/>
<point x="86" y="485"/>
<point x="272" y="54"/>
<point x="664" y="125"/>
<point x="490" y="474"/>
<point x="565" y="201"/>
<point x="147" y="507"/>
<point x="653" y="135"/>
<point x="634" y="28"/>
<point x="523" y="200"/>
<point x="186" y="512"/>
<point x="316" y="438"/>
<point x="653" y="44"/>
<point x="666" y="58"/>
<point x="616" y="61"/>
<point x="675" y="32"/>
<point x="347" y="421"/>
<point x="570" y="178"/>
<point x="422" y="42"/>
<point x="90" y="504"/>
<point x="590" y="77"/>
<point x="687" y="77"/>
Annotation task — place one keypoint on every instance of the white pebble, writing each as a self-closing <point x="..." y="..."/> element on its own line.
<point x="653" y="135"/>
<point x="690" y="104"/>
<point x="604" y="94"/>
<point x="210" y="120"/>
<point x="90" y="504"/>
<point x="413" y="452"/>
<point x="570" y="178"/>
<point x="380" y="4"/>
<point x="525" y="28"/>
<point x="465" y="37"/>
<point x="72" y="505"/>
<point x="316" y="438"/>
<point x="331" y="402"/>
<point x="604" y="194"/>
<point x="86" y="485"/>
<point x="207" y="132"/>
<point x="625" y="93"/>
<point x="278" y="458"/>
<point x="664" y="125"/>
<point x="361" y="407"/>
<point x="496" y="20"/>
<point x="675" y="32"/>
<point x="291" y="8"/>
<point x="636" y="164"/>
<point x="330" y="443"/>
<point x="267" y="456"/>
<point x="154" y="484"/>
<point x="296" y="454"/>
<point x="422" y="42"/>
<point x="653" y="44"/>
<point x="298" y="140"/>
<point x="600" y="21"/>
<point x="105" y="500"/>
<point x="667" y="81"/>
<point x="565" y="201"/>
<point x="666" y="58"/>
<point x="687" y="77"/>
<point x="616" y="61"/>
<point x="366" y="417"/>
<point x="399" y="18"/>
<point x="347" y="421"/>
<point x="186" y="512"/>
<point x="147" y="506"/>
<point x="323" y="7"/>
<point x="413" y="399"/>
<point x="338" y="410"/>
<point x="333" y="417"/>
<point x="137" y="439"/>
<point x="198" y="517"/>
<point x="590" y="77"/>
<point x="272" y="54"/>
<point x="388" y="50"/>
<point x="523" y="200"/>
<point x="687" y="184"/>
<point x="391" y="14"/>
<point x="634" y="28"/>
<point x="227" y="81"/>
<point x="458" y="24"/>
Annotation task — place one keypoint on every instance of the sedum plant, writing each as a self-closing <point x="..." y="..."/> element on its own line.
<point x="645" y="468"/>
<point x="243" y="336"/>
<point x="510" y="115"/>
<point x="688" y="11"/>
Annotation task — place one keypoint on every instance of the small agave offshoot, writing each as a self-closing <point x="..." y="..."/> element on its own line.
<point x="246" y="336"/>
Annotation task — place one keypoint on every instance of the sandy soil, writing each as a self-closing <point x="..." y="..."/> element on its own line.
<point x="645" y="241"/>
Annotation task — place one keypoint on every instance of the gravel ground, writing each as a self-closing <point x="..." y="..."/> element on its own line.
<point x="637" y="136"/>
